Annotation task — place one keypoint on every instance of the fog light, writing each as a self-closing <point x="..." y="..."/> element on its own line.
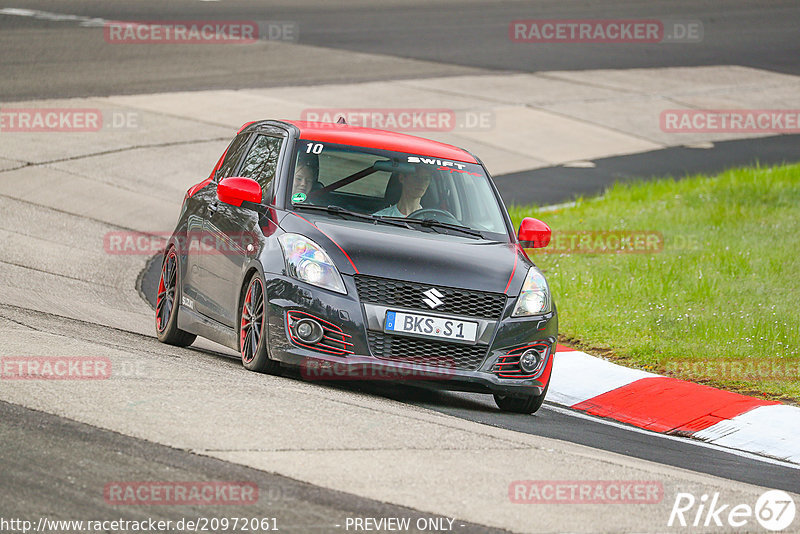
<point x="530" y="361"/>
<point x="308" y="330"/>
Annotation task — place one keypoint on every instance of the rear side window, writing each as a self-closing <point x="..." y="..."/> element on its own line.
<point x="262" y="161"/>
<point x="233" y="156"/>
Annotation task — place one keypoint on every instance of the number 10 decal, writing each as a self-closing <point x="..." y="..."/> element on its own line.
<point x="314" y="148"/>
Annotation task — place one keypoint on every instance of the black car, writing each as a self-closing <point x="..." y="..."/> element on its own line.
<point x="357" y="253"/>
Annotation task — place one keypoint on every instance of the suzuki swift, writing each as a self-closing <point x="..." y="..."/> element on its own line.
<point x="357" y="253"/>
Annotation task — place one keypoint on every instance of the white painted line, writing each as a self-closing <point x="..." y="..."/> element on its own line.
<point x="580" y="164"/>
<point x="702" y="145"/>
<point x="704" y="444"/>
<point x="54" y="17"/>
<point x="578" y="376"/>
<point x="15" y="11"/>
<point x="554" y="207"/>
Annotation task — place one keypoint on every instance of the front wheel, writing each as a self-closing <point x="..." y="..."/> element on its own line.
<point x="527" y="404"/>
<point x="167" y="302"/>
<point x="252" y="341"/>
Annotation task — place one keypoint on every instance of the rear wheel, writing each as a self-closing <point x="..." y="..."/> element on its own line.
<point x="167" y="302"/>
<point x="526" y="404"/>
<point x="252" y="327"/>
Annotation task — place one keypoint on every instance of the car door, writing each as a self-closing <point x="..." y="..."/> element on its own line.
<point x="235" y="230"/>
<point x="202" y="244"/>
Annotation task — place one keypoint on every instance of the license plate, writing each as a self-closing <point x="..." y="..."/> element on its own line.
<point x="431" y="326"/>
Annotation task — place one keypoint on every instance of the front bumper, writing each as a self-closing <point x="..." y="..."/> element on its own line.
<point x="358" y="321"/>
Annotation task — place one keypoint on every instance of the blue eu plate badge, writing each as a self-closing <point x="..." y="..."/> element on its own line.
<point x="390" y="320"/>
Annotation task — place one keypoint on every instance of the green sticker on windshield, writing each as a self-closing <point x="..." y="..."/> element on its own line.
<point x="299" y="197"/>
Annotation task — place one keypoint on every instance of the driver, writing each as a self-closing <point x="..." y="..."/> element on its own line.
<point x="306" y="174"/>
<point x="414" y="185"/>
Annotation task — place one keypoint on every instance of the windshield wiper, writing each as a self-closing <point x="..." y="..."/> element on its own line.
<point x="338" y="210"/>
<point x="428" y="223"/>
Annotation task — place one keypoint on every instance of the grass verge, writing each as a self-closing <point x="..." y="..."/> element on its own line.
<point x="713" y="294"/>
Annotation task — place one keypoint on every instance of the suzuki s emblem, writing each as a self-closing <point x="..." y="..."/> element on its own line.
<point x="432" y="297"/>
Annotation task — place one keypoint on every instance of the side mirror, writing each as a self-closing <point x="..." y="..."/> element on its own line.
<point x="533" y="233"/>
<point x="236" y="189"/>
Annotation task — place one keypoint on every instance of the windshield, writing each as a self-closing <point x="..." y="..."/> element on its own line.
<point x="396" y="185"/>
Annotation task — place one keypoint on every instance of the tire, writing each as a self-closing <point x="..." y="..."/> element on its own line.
<point x="527" y="404"/>
<point x="169" y="295"/>
<point x="252" y="329"/>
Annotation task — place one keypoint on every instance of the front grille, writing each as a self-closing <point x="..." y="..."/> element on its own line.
<point x="410" y="295"/>
<point x="426" y="352"/>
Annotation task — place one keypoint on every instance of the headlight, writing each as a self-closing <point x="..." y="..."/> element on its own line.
<point x="306" y="261"/>
<point x="534" y="299"/>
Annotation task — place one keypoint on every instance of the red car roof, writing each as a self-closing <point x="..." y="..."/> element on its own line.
<point x="370" y="138"/>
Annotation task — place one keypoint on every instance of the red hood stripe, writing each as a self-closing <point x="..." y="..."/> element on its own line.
<point x="346" y="255"/>
<point x="513" y="270"/>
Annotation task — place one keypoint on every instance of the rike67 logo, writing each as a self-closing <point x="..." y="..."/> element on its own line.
<point x="774" y="510"/>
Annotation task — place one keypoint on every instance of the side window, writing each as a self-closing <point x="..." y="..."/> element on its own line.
<point x="233" y="156"/>
<point x="262" y="161"/>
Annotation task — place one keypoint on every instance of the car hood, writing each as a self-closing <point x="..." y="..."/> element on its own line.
<point x="413" y="255"/>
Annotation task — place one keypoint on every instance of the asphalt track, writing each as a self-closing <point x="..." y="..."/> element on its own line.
<point x="554" y="185"/>
<point x="63" y="467"/>
<point x="42" y="59"/>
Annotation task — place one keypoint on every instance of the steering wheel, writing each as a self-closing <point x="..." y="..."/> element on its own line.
<point x="436" y="215"/>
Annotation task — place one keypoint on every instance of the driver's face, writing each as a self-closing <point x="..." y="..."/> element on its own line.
<point x="415" y="184"/>
<point x="303" y="180"/>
